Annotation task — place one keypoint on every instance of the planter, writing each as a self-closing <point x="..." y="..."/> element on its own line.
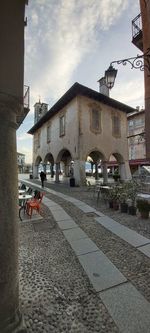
<point x="115" y="205"/>
<point x="144" y="208"/>
<point x="124" y="207"/>
<point x="111" y="204"/>
<point x="132" y="210"/>
<point x="144" y="214"/>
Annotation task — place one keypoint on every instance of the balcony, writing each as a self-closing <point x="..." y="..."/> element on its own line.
<point x="25" y="107"/>
<point x="137" y="34"/>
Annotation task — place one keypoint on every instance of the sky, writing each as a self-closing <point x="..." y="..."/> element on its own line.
<point x="68" y="41"/>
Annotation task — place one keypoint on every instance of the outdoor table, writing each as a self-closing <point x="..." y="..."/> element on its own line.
<point x="21" y="191"/>
<point x="101" y="190"/>
<point x="23" y="198"/>
<point x="144" y="196"/>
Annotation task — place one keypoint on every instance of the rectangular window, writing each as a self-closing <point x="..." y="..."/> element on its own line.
<point x="48" y="133"/>
<point x="131" y="124"/>
<point x="62" y="125"/>
<point x="116" y="125"/>
<point x="95" y="120"/>
<point x="139" y="122"/>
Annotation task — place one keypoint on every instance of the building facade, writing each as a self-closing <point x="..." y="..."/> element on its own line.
<point x="21" y="162"/>
<point x="136" y="141"/>
<point x="141" y="39"/>
<point x="83" y="123"/>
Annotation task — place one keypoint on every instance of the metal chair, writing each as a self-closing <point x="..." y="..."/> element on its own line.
<point x="34" y="204"/>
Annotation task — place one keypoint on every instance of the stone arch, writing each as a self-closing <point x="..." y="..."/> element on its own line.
<point x="63" y="163"/>
<point x="49" y="164"/>
<point x="117" y="163"/>
<point x="63" y="155"/>
<point x="95" y="157"/>
<point x="38" y="161"/>
<point x="49" y="158"/>
<point x="119" y="158"/>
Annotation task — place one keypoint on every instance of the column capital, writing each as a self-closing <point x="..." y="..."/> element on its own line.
<point x="10" y="103"/>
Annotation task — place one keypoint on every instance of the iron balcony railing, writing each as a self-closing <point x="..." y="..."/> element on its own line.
<point x="136" y="26"/>
<point x="26" y="98"/>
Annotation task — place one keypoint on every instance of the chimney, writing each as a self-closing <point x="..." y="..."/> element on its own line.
<point x="103" y="89"/>
<point x="138" y="108"/>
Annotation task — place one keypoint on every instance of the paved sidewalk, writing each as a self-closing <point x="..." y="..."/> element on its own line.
<point x="102" y="259"/>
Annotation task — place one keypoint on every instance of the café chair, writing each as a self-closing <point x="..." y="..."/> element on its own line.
<point x="34" y="204"/>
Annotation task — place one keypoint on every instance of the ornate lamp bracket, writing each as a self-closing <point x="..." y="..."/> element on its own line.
<point x="139" y="62"/>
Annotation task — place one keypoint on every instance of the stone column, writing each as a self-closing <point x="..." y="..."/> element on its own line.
<point x="124" y="171"/>
<point x="96" y="171"/>
<point x="44" y="168"/>
<point x="35" y="171"/>
<point x="79" y="172"/>
<point x="139" y="170"/>
<point x="57" y="173"/>
<point x="10" y="317"/>
<point x="52" y="170"/>
<point x="105" y="174"/>
<point x="66" y="170"/>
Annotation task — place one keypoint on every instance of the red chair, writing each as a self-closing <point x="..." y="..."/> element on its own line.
<point x="34" y="204"/>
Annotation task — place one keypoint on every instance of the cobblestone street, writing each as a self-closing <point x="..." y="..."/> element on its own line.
<point x="56" y="294"/>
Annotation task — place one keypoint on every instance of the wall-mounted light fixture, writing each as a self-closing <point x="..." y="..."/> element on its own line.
<point x="141" y="62"/>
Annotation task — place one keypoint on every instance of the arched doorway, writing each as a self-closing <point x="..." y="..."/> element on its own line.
<point x="96" y="160"/>
<point x="118" y="166"/>
<point x="37" y="167"/>
<point x="64" y="164"/>
<point x="49" y="165"/>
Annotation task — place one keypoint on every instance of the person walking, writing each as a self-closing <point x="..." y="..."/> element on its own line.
<point x="42" y="176"/>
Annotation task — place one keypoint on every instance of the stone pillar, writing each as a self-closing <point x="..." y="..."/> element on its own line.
<point x="79" y="172"/>
<point x="35" y="171"/>
<point x="66" y="170"/>
<point x="57" y="173"/>
<point x="96" y="171"/>
<point x="124" y="171"/>
<point x="44" y="168"/>
<point x="139" y="170"/>
<point x="113" y="169"/>
<point x="52" y="170"/>
<point x="10" y="317"/>
<point x="105" y="174"/>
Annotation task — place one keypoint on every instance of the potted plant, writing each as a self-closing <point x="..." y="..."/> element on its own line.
<point x="123" y="196"/>
<point x="110" y="196"/>
<point x="143" y="207"/>
<point x="113" y="198"/>
<point x="116" y="177"/>
<point x="123" y="203"/>
<point x="132" y="191"/>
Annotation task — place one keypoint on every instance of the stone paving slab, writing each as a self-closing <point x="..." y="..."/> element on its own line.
<point x="99" y="213"/>
<point x="83" y="246"/>
<point x="59" y="215"/>
<point x="130" y="236"/>
<point x="100" y="270"/>
<point x="145" y="249"/>
<point x="86" y="208"/>
<point x="67" y="224"/>
<point x="128" y="308"/>
<point x="49" y="203"/>
<point x="74" y="234"/>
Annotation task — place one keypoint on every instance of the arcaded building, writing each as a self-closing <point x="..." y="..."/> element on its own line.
<point x="83" y="123"/>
